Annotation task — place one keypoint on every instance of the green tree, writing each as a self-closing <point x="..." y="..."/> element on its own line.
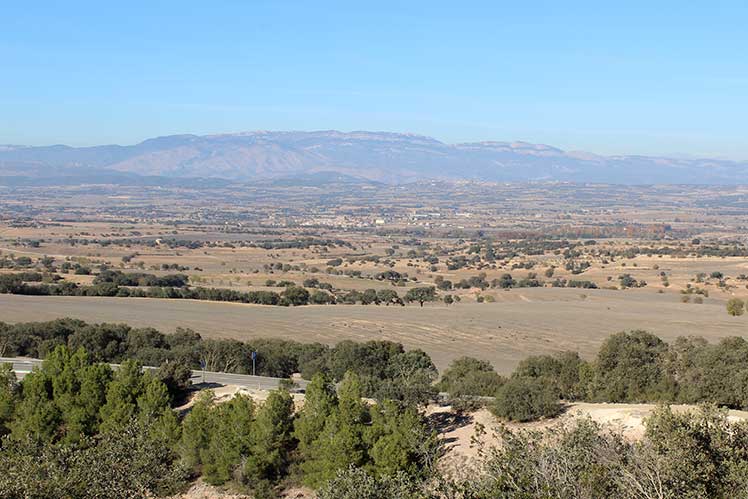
<point x="321" y="298"/>
<point x="229" y="439"/>
<point x="37" y="416"/>
<point x="196" y="430"/>
<point x="271" y="439"/>
<point x="562" y="370"/>
<point x="369" y="296"/>
<point x="409" y="378"/>
<point x="176" y="375"/>
<point x="397" y="440"/>
<point x="153" y="401"/>
<point x="467" y="376"/>
<point x="8" y="396"/>
<point x="61" y="400"/>
<point x="341" y="443"/>
<point x="388" y="297"/>
<point x="294" y="295"/>
<point x="122" y="396"/>
<point x="320" y="401"/>
<point x="421" y="295"/>
<point x="526" y="399"/>
<point x="630" y="367"/>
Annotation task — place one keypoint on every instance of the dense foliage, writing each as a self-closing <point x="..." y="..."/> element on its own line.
<point x="633" y="366"/>
<point x="120" y="278"/>
<point x="387" y="371"/>
<point x="77" y="428"/>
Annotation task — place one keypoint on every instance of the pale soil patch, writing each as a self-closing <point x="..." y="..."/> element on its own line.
<point x="201" y="490"/>
<point x="224" y="393"/>
<point x="463" y="440"/>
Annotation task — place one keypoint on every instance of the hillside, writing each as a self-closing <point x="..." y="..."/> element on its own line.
<point x="386" y="157"/>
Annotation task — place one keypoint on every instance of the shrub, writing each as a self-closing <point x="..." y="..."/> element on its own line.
<point x="467" y="376"/>
<point x="630" y="368"/>
<point x="526" y="399"/>
<point x="176" y="376"/>
<point x="355" y="483"/>
<point x="562" y="370"/>
<point x="735" y="306"/>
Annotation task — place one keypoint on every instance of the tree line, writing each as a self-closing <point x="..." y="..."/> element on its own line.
<point x="385" y="368"/>
<point x="138" y="285"/>
<point x="630" y="367"/>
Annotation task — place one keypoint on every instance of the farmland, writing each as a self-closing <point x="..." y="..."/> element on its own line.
<point x="521" y="322"/>
<point x="517" y="269"/>
<point x="505" y="299"/>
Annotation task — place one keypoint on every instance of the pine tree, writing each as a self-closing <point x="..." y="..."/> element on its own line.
<point x="341" y="443"/>
<point x="395" y="438"/>
<point x="122" y="397"/>
<point x="229" y="439"/>
<point x="319" y="402"/>
<point x="153" y="400"/>
<point x="196" y="430"/>
<point x="37" y="415"/>
<point x="271" y="438"/>
<point x="61" y="400"/>
<point x="7" y="396"/>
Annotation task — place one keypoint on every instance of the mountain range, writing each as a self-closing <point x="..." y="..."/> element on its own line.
<point x="374" y="156"/>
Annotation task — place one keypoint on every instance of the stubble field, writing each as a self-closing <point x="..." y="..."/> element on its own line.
<point x="521" y="323"/>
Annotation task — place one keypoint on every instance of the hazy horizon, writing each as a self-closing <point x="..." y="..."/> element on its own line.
<point x="671" y="155"/>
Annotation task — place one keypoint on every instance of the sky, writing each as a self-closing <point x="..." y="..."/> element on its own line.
<point x="654" y="77"/>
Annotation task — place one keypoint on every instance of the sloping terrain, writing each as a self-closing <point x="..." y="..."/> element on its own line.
<point x="380" y="156"/>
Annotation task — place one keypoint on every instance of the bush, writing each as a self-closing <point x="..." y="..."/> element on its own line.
<point x="735" y="306"/>
<point x="630" y="368"/>
<point x="355" y="483"/>
<point x="176" y="376"/>
<point x="526" y="399"/>
<point x="562" y="370"/>
<point x="467" y="376"/>
<point x="321" y="298"/>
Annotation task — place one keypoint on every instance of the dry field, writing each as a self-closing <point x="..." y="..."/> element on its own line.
<point x="522" y="322"/>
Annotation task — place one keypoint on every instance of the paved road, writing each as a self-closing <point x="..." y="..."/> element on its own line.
<point x="20" y="366"/>
<point x="23" y="366"/>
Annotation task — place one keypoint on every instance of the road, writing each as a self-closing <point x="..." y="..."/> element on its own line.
<point x="23" y="366"/>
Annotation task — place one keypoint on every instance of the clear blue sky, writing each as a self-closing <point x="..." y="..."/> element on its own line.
<point x="609" y="77"/>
